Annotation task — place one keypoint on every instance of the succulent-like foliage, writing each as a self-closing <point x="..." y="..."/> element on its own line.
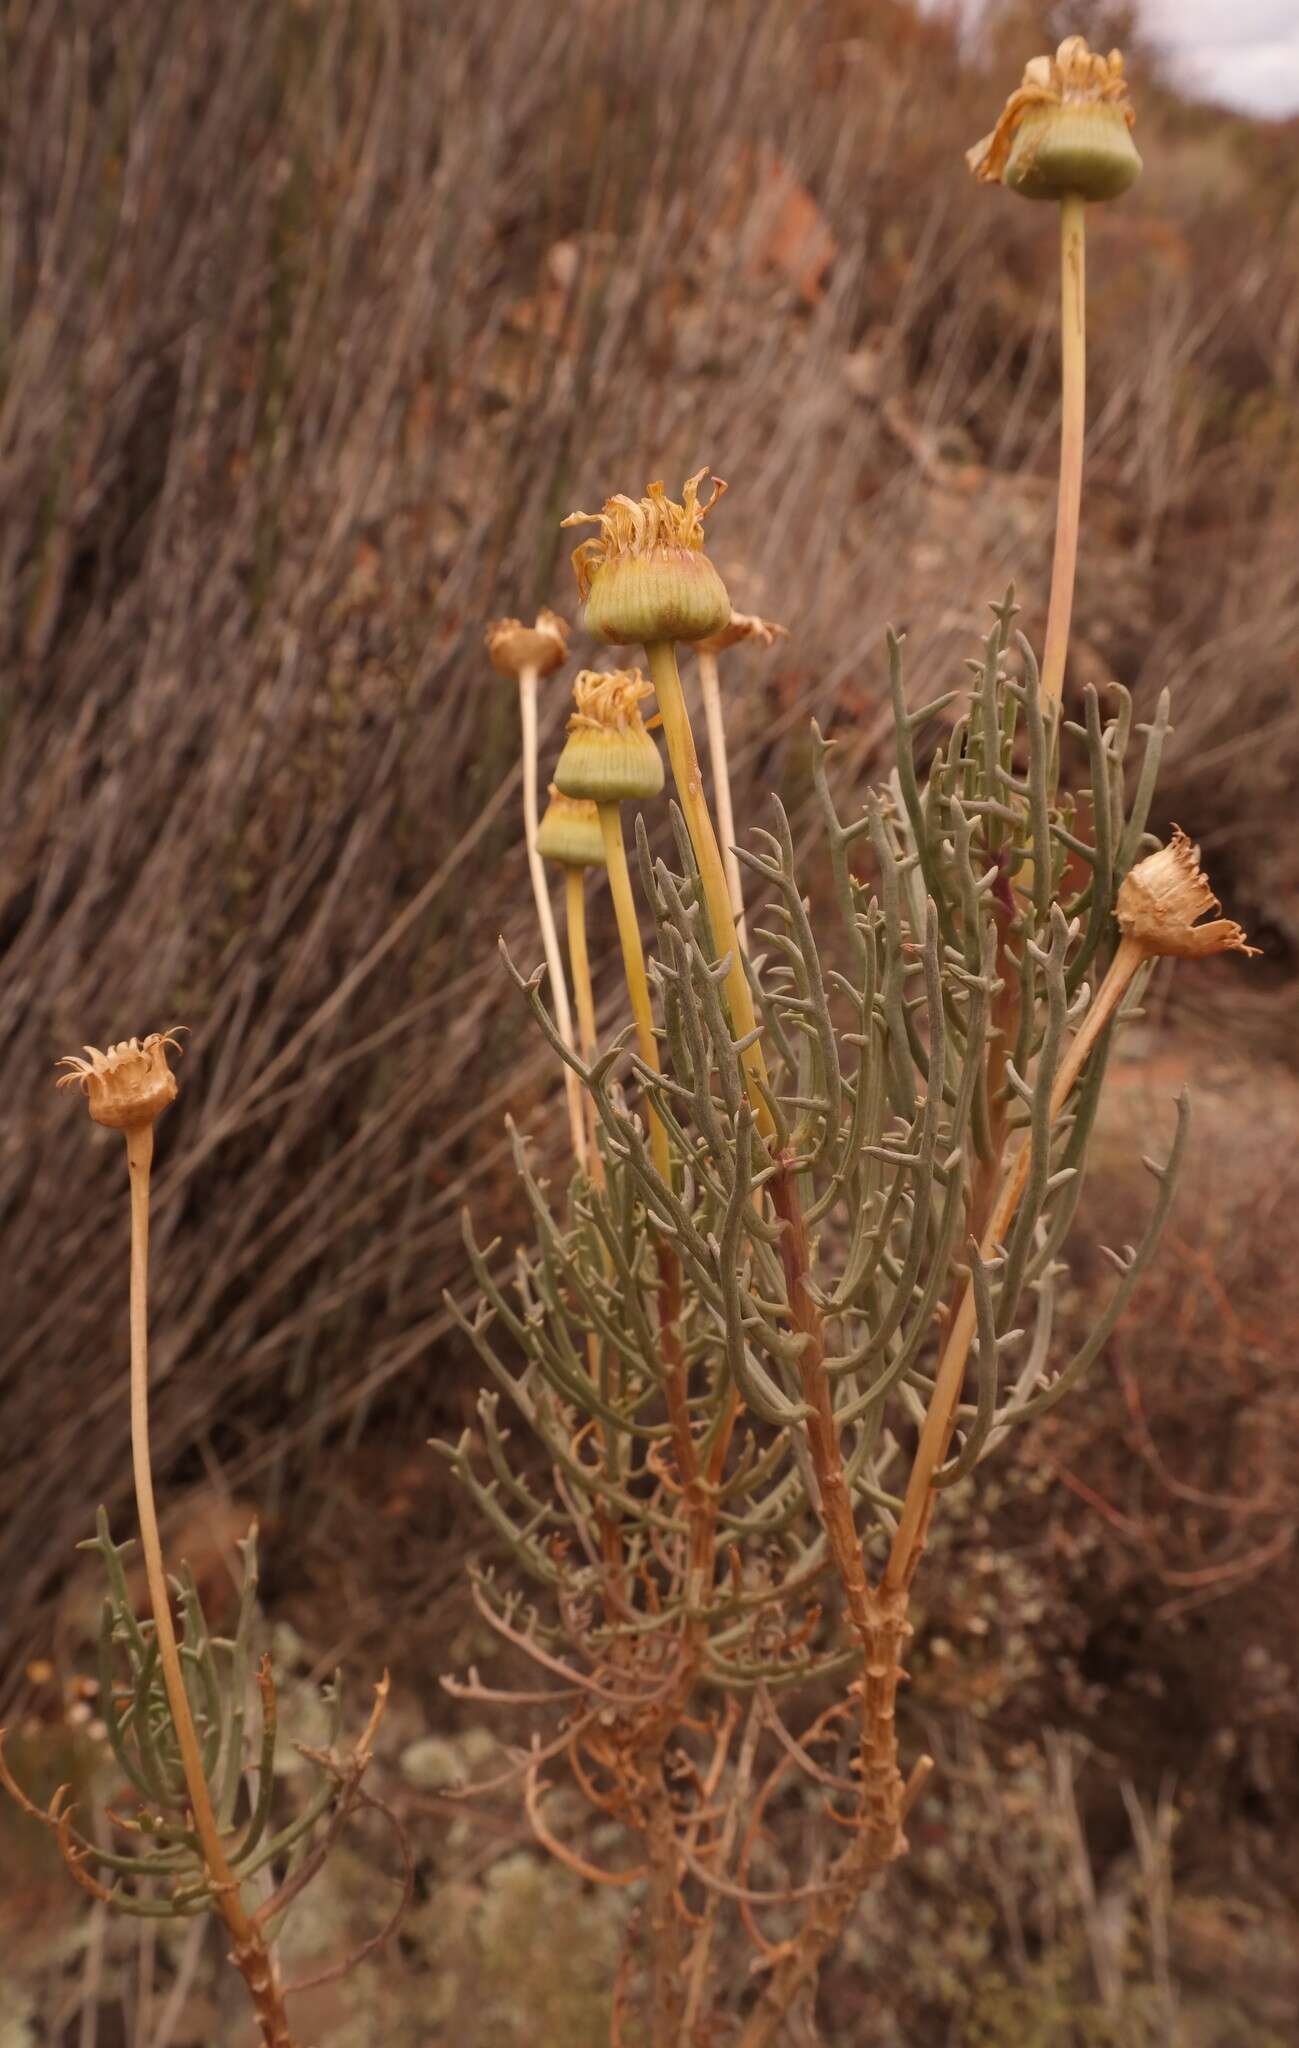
<point x="733" y="1511"/>
<point x="163" y="1874"/>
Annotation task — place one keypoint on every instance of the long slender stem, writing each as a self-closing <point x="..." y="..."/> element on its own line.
<point x="936" y="1434"/>
<point x="249" y="1949"/>
<point x="579" y="963"/>
<point x="662" y="658"/>
<point x="660" y="1839"/>
<point x="633" y="961"/>
<point x="545" y="915"/>
<point x="1073" y="410"/>
<point x="580" y="968"/>
<point x="710" y="689"/>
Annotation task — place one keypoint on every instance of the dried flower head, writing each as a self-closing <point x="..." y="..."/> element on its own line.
<point x="743" y="626"/>
<point x="1160" y="900"/>
<point x="608" y="754"/>
<point x="645" y="576"/>
<point x="130" y="1085"/>
<point x="570" y="831"/>
<point x="609" y="698"/>
<point x="1066" y="129"/>
<point x="513" y="647"/>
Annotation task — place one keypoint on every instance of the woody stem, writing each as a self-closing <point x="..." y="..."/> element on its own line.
<point x="710" y="689"/>
<point x="1073" y="349"/>
<point x="545" y="915"/>
<point x="662" y="658"/>
<point x="249" y="1949"/>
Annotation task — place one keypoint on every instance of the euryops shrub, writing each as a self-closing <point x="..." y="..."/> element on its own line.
<point x="799" y="1282"/>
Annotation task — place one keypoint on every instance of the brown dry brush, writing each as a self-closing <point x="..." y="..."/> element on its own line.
<point x="312" y="321"/>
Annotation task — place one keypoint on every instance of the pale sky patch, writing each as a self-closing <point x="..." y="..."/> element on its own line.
<point x="1244" y="53"/>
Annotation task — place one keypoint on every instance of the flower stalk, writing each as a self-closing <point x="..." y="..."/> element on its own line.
<point x="528" y="679"/>
<point x="633" y="962"/>
<point x="127" y="1089"/>
<point x="248" y="1947"/>
<point x="666" y="677"/>
<point x="527" y="653"/>
<point x="645" y="577"/>
<point x="579" y="962"/>
<point x="1073" y="431"/>
<point x="710" y="690"/>
<point x="742" y="626"/>
<point x="1065" y="134"/>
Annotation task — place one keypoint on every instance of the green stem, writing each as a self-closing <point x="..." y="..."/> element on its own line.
<point x="711" y="690"/>
<point x="662" y="658"/>
<point x="633" y="960"/>
<point x="579" y="962"/>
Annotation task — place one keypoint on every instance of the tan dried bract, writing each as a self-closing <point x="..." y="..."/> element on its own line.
<point x="1075" y="76"/>
<point x="743" y="626"/>
<point x="649" y="525"/>
<point x="130" y="1085"/>
<point x="513" y="647"/>
<point x="609" y="700"/>
<point x="1160" y="901"/>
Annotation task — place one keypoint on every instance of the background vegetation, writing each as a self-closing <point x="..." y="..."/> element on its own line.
<point x="314" y="319"/>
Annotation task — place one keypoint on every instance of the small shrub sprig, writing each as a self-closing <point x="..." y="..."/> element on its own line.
<point x="814" y="1284"/>
<point x="175" y="1704"/>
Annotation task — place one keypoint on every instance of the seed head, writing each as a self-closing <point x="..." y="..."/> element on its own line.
<point x="743" y="626"/>
<point x="570" y="831"/>
<point x="645" y="576"/>
<point x="608" y="755"/>
<point x="1160" y="900"/>
<point x="1066" y="129"/>
<point x="130" y="1085"/>
<point x="512" y="646"/>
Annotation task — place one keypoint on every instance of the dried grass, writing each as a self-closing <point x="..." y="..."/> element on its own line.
<point x="313" y="320"/>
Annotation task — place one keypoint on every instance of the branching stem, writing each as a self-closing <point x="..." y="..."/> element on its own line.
<point x="936" y="1434"/>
